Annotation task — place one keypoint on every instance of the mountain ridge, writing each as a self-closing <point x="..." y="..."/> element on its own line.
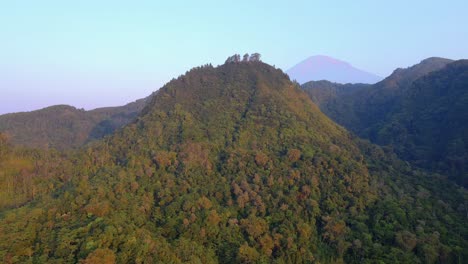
<point x="390" y="113"/>
<point x="66" y="127"/>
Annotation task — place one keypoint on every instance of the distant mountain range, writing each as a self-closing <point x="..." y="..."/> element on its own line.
<point x="63" y="126"/>
<point x="320" y="67"/>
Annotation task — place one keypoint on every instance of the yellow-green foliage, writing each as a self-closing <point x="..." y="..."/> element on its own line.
<point x="421" y="112"/>
<point x="235" y="164"/>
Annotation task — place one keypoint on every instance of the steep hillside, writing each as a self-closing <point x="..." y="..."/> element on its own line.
<point x="429" y="125"/>
<point x="419" y="111"/>
<point x="374" y="104"/>
<point x="64" y="127"/>
<point x="235" y="164"/>
<point x="325" y="94"/>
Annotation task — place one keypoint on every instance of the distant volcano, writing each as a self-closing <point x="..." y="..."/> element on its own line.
<point x="320" y="67"/>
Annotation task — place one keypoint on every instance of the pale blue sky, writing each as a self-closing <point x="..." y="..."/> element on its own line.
<point x="101" y="53"/>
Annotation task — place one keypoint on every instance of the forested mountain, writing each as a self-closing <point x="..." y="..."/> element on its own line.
<point x="324" y="93"/>
<point x="316" y="68"/>
<point x="229" y="164"/>
<point x="419" y="111"/>
<point x="363" y="107"/>
<point x="64" y="127"/>
<point x="429" y="126"/>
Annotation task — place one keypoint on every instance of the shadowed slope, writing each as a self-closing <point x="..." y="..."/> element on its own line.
<point x="419" y="111"/>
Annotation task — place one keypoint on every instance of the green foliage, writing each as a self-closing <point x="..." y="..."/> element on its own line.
<point x="420" y="112"/>
<point x="64" y="127"/>
<point x="27" y="174"/>
<point x="235" y="164"/>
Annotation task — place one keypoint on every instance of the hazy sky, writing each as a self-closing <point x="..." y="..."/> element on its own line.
<point x="101" y="53"/>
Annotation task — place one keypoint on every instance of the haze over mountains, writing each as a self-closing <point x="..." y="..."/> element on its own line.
<point x="321" y="67"/>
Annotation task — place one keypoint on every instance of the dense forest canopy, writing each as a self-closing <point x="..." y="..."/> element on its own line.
<point x="65" y="127"/>
<point x="227" y="164"/>
<point x="421" y="112"/>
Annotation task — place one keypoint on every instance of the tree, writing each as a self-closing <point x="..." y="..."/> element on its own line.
<point x="406" y="240"/>
<point x="233" y="59"/>
<point x="255" y="57"/>
<point x="236" y="58"/>
<point x="294" y="155"/>
<point x="248" y="254"/>
<point x="101" y="256"/>
<point x="245" y="58"/>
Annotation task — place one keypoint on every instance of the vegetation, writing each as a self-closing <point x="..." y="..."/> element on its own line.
<point x="420" y="112"/>
<point x="429" y="126"/>
<point x="64" y="127"/>
<point x="363" y="107"/>
<point x="233" y="164"/>
<point x="27" y="174"/>
<point x="325" y="93"/>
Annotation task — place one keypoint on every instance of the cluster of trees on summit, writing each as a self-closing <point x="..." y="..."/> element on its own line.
<point x="236" y="58"/>
<point x="227" y="164"/>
